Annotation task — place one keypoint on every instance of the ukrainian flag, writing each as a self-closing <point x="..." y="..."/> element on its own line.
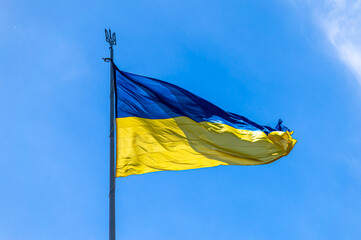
<point x="160" y="126"/>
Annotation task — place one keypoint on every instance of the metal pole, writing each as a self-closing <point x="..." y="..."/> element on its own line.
<point x="110" y="38"/>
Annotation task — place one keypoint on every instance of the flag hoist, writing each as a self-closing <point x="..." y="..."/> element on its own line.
<point x="160" y="126"/>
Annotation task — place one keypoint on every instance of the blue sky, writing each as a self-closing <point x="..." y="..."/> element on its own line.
<point x="290" y="59"/>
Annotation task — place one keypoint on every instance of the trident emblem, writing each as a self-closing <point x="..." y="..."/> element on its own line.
<point x="110" y="38"/>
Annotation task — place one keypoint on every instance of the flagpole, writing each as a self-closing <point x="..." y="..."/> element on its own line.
<point x="111" y="39"/>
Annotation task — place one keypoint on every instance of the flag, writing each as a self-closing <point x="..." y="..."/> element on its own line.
<point x="160" y="126"/>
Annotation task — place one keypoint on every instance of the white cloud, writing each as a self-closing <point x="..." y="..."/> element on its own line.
<point x="341" y="22"/>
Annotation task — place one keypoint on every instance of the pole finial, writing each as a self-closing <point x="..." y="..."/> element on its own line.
<point x="110" y="38"/>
